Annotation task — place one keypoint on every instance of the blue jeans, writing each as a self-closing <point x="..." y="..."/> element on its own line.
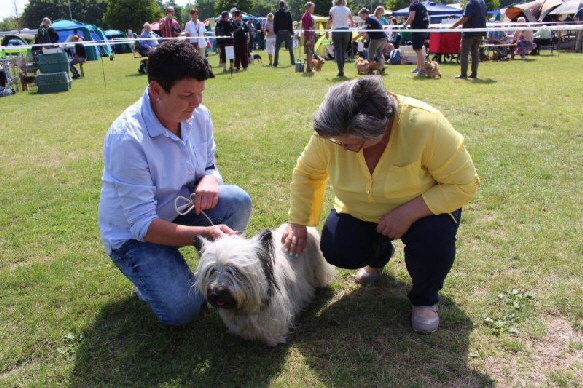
<point x="348" y="242"/>
<point x="160" y="272"/>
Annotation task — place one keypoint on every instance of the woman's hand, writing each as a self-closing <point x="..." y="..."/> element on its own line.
<point x="294" y="238"/>
<point x="206" y="194"/>
<point x="217" y="231"/>
<point x="397" y="222"/>
<point x="394" y="224"/>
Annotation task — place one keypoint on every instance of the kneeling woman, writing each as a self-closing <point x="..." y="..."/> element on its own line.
<point x="399" y="171"/>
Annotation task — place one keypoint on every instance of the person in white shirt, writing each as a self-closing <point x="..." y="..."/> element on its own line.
<point x="195" y="30"/>
<point x="340" y="20"/>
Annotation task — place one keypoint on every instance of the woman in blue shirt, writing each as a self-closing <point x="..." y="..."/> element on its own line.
<point x="158" y="149"/>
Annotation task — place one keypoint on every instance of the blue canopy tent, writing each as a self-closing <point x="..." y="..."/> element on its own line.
<point x="118" y="48"/>
<point x="436" y="11"/>
<point x="67" y="27"/>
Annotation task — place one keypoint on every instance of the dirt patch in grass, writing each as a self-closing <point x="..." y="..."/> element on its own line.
<point x="558" y="353"/>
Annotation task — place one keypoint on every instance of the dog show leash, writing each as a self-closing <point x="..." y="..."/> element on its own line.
<point x="187" y="206"/>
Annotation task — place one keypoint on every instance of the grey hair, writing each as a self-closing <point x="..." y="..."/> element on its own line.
<point x="361" y="107"/>
<point x="309" y="4"/>
<point x="339" y="2"/>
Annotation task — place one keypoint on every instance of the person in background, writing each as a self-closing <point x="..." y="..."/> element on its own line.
<point x="524" y="39"/>
<point x="240" y="41"/>
<point x="542" y="37"/>
<point x="419" y="20"/>
<point x="147" y="43"/>
<point x="399" y="170"/>
<point x="377" y="39"/>
<point x="195" y="30"/>
<point x="159" y="149"/>
<point x="169" y="27"/>
<point x="224" y="33"/>
<point x="46" y="34"/>
<point x="474" y="17"/>
<point x="379" y="14"/>
<point x="79" y="57"/>
<point x="394" y="37"/>
<point x="269" y="37"/>
<point x="283" y="27"/>
<point x="308" y="26"/>
<point x="579" y="39"/>
<point x="252" y="31"/>
<point x="340" y="20"/>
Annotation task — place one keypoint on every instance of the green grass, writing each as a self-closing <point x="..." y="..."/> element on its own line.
<point x="68" y="317"/>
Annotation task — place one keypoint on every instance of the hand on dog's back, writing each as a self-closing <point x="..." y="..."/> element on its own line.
<point x="294" y="238"/>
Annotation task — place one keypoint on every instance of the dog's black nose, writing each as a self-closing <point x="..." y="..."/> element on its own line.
<point x="220" y="296"/>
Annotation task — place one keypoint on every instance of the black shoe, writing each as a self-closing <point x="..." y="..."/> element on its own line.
<point x="472" y="76"/>
<point x="340" y="74"/>
<point x="75" y="76"/>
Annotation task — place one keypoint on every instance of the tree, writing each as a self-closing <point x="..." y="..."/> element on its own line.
<point x="131" y="14"/>
<point x="206" y="9"/>
<point x="227" y="5"/>
<point x="88" y="11"/>
<point x="8" y="24"/>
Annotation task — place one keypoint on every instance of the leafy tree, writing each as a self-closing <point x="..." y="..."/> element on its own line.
<point x="262" y="7"/>
<point x="227" y="5"/>
<point x="126" y="14"/>
<point x="88" y="11"/>
<point x="206" y="9"/>
<point x="9" y="23"/>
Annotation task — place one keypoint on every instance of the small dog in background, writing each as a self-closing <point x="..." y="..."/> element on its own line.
<point x="432" y="69"/>
<point x="255" y="57"/>
<point x="362" y="66"/>
<point x="318" y="62"/>
<point x="26" y="80"/>
<point x="378" y="66"/>
<point x="257" y="288"/>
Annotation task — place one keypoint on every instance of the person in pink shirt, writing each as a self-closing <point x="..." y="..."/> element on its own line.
<point x="309" y="35"/>
<point x="169" y="26"/>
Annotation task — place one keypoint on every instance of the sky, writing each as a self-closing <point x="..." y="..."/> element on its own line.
<point x="7" y="7"/>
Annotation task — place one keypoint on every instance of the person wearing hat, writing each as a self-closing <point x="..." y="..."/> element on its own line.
<point x="283" y="27"/>
<point x="224" y="33"/>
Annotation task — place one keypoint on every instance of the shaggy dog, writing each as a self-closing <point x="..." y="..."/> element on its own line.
<point x="257" y="288"/>
<point x="432" y="69"/>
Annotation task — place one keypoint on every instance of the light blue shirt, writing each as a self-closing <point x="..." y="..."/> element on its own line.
<point x="146" y="167"/>
<point x="149" y="42"/>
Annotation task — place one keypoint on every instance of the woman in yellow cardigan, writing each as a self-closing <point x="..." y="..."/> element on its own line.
<point x="399" y="171"/>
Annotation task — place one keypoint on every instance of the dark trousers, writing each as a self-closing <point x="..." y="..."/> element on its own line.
<point x="348" y="242"/>
<point x="241" y="55"/>
<point x="284" y="36"/>
<point x="340" y="38"/>
<point x="466" y="45"/>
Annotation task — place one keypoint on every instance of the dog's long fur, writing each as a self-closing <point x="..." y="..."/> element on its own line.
<point x="317" y="63"/>
<point x="261" y="287"/>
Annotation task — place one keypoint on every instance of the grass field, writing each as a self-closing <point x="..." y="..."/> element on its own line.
<point x="512" y="307"/>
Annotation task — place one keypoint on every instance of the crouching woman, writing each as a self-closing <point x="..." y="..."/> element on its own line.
<point x="158" y="149"/>
<point x="399" y="171"/>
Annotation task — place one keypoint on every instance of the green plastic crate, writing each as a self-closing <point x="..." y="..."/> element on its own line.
<point x="52" y="58"/>
<point x="54" y="67"/>
<point x="53" y="82"/>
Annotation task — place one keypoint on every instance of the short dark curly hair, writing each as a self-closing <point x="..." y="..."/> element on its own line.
<point x="175" y="60"/>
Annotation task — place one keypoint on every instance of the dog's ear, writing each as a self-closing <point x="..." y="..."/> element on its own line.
<point x="265" y="237"/>
<point x="199" y="243"/>
<point x="267" y="258"/>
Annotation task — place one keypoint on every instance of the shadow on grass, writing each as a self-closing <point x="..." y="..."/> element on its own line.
<point x="365" y="340"/>
<point x="125" y="346"/>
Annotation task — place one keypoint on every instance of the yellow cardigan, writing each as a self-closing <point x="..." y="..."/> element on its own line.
<point x="425" y="156"/>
